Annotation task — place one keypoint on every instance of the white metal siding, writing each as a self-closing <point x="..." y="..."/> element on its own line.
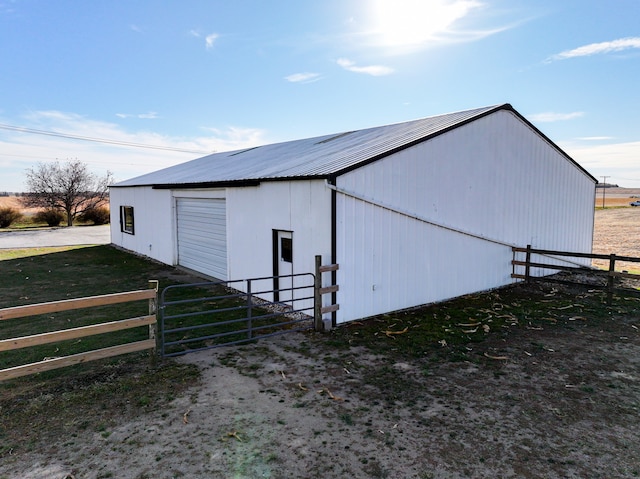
<point x="153" y="218"/>
<point x="302" y="207"/>
<point x="494" y="177"/>
<point x="202" y="235"/>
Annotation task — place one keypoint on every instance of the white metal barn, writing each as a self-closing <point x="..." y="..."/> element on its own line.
<point x="413" y="213"/>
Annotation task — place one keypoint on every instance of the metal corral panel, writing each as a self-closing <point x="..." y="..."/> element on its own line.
<point x="202" y="235"/>
<point x="438" y="220"/>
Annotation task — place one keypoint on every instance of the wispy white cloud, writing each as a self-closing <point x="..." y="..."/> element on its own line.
<point x="596" y="138"/>
<point x="21" y="150"/>
<point x="598" y="48"/>
<point x="618" y="161"/>
<point x="549" y="117"/>
<point x="211" y="39"/>
<point x="373" y="70"/>
<point x="236" y="138"/>
<point x="152" y="115"/>
<point x="7" y="7"/>
<point x="614" y="155"/>
<point x="406" y="26"/>
<point x="135" y="28"/>
<point x="306" y="77"/>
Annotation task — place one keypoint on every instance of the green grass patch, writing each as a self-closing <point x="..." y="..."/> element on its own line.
<point x="25" y="223"/>
<point x="454" y="327"/>
<point x="29" y="223"/>
<point x="52" y="274"/>
<point x="6" y="254"/>
<point x="60" y="274"/>
<point x="473" y="329"/>
<point x="77" y="397"/>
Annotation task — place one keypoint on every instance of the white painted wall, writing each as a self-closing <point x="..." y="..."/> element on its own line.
<point x="153" y="222"/>
<point x="493" y="177"/>
<point x="303" y="207"/>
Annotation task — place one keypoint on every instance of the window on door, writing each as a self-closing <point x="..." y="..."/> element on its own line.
<point x="286" y="250"/>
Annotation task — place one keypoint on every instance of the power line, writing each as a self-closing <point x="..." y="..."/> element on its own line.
<point x="98" y="140"/>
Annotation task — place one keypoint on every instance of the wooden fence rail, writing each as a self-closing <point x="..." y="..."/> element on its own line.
<point x="320" y="310"/>
<point x="611" y="274"/>
<point x="80" y="332"/>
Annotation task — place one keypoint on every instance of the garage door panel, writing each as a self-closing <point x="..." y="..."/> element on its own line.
<point x="196" y="237"/>
<point x="199" y="250"/>
<point x="202" y="235"/>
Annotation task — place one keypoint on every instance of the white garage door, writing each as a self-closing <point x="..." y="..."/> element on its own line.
<point x="202" y="235"/>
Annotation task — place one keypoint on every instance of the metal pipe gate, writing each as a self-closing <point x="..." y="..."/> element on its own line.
<point x="198" y="316"/>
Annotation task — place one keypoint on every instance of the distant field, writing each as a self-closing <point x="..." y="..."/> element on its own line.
<point x="14" y="202"/>
<point x="617" y="230"/>
<point x="617" y="197"/>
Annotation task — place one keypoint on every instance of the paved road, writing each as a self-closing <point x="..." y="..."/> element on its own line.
<point x="74" y="235"/>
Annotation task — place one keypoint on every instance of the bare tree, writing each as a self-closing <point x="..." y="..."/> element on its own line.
<point x="68" y="187"/>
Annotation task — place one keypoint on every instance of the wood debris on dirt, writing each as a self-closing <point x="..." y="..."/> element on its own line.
<point x="391" y="333"/>
<point x="185" y="416"/>
<point x="330" y="394"/>
<point x="235" y="435"/>
<point x="497" y="358"/>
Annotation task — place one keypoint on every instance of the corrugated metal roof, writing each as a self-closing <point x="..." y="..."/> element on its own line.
<point x="322" y="156"/>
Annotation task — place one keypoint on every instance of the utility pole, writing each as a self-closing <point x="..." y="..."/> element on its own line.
<point x="604" y="187"/>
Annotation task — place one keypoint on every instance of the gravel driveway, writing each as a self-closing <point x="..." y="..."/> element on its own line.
<point x="62" y="236"/>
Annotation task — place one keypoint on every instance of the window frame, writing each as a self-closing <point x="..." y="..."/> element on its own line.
<point x="126" y="213"/>
<point x="286" y="250"/>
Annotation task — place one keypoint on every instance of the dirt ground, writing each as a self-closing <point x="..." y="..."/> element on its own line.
<point x="558" y="400"/>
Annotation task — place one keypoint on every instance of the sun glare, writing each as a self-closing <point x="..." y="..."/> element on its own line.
<point x="415" y="22"/>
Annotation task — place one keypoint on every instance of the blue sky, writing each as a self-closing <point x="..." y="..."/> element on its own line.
<point x="187" y="78"/>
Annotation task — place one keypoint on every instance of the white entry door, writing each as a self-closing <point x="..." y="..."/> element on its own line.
<point x="284" y="262"/>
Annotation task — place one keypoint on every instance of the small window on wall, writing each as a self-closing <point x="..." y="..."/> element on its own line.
<point x="126" y="219"/>
<point x="286" y="250"/>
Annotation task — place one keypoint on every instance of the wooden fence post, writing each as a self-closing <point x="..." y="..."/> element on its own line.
<point x="249" y="311"/>
<point x="153" y="328"/>
<point x="611" y="279"/>
<point x="317" y="308"/>
<point x="527" y="268"/>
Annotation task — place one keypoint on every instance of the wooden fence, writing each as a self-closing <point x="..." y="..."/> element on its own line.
<point x="320" y="310"/>
<point x="611" y="276"/>
<point x="80" y="332"/>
